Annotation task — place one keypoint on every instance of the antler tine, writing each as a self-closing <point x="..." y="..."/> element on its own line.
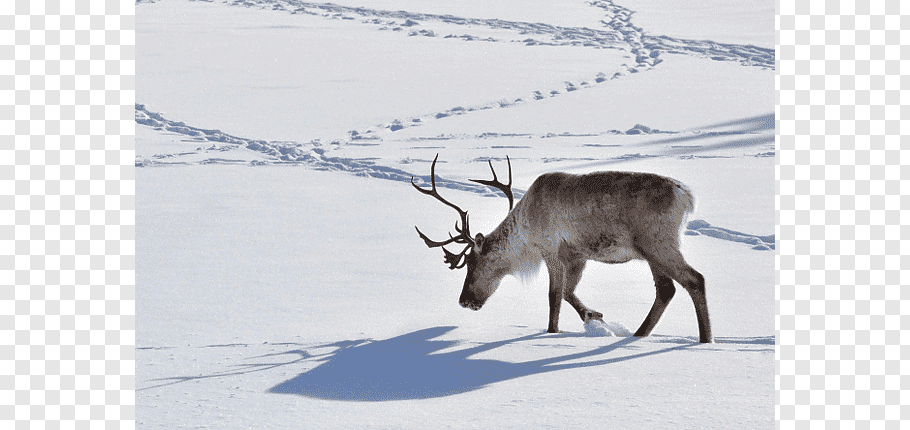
<point x="434" y="244"/>
<point x="453" y="258"/>
<point x="464" y="235"/>
<point x="505" y="188"/>
<point x="466" y="231"/>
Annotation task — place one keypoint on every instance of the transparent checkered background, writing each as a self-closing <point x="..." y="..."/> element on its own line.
<point x="67" y="216"/>
<point x="67" y="259"/>
<point x="842" y="178"/>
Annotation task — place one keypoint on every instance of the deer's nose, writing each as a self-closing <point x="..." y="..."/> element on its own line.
<point x="470" y="301"/>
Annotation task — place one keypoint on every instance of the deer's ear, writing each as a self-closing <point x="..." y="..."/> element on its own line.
<point x="478" y="242"/>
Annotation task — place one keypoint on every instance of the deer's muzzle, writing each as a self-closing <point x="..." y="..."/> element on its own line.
<point x="470" y="301"/>
<point x="472" y="306"/>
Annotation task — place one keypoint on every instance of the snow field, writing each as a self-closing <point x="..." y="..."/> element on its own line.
<point x="249" y="284"/>
<point x="281" y="284"/>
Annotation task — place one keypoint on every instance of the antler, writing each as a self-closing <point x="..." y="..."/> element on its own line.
<point x="505" y="188"/>
<point x="464" y="233"/>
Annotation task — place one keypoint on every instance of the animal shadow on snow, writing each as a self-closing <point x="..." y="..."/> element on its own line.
<point x="410" y="367"/>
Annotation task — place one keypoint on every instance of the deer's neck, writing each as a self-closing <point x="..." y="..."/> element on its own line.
<point x="512" y="241"/>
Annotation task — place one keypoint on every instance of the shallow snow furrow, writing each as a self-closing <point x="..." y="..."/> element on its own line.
<point x="417" y="121"/>
<point x="745" y="54"/>
<point x="310" y="154"/>
<point x="701" y="227"/>
<point x="621" y="33"/>
<point x="647" y="48"/>
<point x="569" y="36"/>
<point x="314" y="156"/>
<point x="623" y="36"/>
<point x="553" y="36"/>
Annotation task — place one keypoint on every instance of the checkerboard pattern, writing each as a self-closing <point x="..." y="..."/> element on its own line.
<point x="67" y="258"/>
<point x="842" y="181"/>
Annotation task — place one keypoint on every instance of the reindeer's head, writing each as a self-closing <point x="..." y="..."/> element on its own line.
<point x="486" y="266"/>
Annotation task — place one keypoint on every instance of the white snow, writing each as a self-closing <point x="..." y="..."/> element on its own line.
<point x="604" y="328"/>
<point x="725" y="21"/>
<point x="281" y="283"/>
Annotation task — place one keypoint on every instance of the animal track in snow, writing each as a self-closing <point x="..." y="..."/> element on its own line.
<point x="701" y="227"/>
<point x="313" y="155"/>
<point x="647" y="48"/>
<point x="620" y="33"/>
<point x="417" y="121"/>
<point x="556" y="35"/>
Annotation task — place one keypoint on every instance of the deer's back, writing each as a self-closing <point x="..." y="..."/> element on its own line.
<point x="605" y="212"/>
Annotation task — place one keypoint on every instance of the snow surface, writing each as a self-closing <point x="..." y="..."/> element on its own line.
<point x="281" y="283"/>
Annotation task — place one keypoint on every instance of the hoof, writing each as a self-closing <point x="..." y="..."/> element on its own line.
<point x="594" y="315"/>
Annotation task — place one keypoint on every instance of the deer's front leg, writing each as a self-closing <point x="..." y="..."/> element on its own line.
<point x="557" y="271"/>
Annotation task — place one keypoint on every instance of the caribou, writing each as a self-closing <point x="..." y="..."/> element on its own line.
<point x="564" y="220"/>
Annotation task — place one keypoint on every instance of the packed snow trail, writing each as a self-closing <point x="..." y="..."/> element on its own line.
<point x="620" y="33"/>
<point x="314" y="156"/>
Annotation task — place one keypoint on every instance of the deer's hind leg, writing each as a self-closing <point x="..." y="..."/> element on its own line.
<point x="667" y="262"/>
<point x="665" y="292"/>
